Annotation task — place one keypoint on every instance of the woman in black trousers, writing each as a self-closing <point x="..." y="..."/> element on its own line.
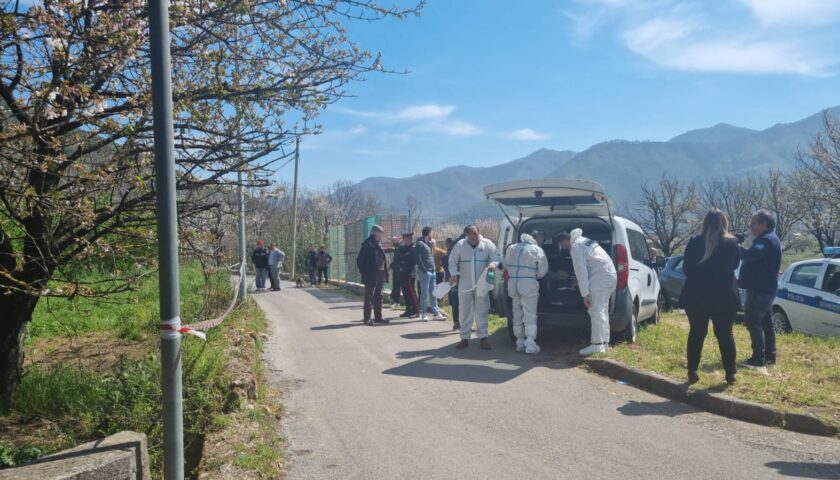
<point x="710" y="291"/>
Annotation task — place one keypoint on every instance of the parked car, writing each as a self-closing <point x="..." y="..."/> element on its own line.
<point x="672" y="280"/>
<point x="808" y="299"/>
<point x="555" y="205"/>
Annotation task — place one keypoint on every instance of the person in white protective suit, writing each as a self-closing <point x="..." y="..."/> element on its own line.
<point x="596" y="278"/>
<point x="469" y="262"/>
<point x="525" y="264"/>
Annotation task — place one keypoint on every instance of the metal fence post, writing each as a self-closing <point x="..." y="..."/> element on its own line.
<point x="167" y="226"/>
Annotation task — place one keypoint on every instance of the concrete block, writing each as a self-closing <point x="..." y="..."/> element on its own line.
<point x="122" y="456"/>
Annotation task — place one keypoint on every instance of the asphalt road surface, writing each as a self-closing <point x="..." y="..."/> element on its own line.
<point x="397" y="401"/>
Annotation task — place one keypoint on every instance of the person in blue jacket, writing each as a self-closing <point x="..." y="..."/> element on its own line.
<point x="759" y="276"/>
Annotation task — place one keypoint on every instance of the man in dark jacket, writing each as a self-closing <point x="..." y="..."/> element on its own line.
<point x="395" y="278"/>
<point x="260" y="260"/>
<point x="404" y="259"/>
<point x="759" y="276"/>
<point x="373" y="266"/>
<point x="312" y="264"/>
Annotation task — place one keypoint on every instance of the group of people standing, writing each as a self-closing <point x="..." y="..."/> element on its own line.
<point x="267" y="262"/>
<point x="711" y="290"/>
<point x="318" y="265"/>
<point x="469" y="265"/>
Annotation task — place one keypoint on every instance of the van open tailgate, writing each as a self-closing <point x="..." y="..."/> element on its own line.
<point x="551" y="196"/>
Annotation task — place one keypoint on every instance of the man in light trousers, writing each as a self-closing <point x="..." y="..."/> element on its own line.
<point x="525" y="264"/>
<point x="596" y="276"/>
<point x="470" y="258"/>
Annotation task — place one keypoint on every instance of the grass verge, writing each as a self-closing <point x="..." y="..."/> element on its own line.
<point x="806" y="379"/>
<point x="102" y="380"/>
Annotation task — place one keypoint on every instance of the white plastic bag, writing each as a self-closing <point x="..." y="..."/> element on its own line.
<point x="483" y="287"/>
<point x="441" y="289"/>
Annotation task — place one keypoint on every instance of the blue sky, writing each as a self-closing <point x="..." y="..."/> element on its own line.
<point x="493" y="80"/>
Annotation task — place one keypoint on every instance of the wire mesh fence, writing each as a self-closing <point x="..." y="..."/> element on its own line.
<point x="345" y="240"/>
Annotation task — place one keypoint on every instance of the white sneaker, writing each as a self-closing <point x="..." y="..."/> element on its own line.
<point x="395" y="305"/>
<point x="439" y="316"/>
<point x="531" y="347"/>
<point x="593" y="349"/>
<point x="424" y="317"/>
<point x="520" y="345"/>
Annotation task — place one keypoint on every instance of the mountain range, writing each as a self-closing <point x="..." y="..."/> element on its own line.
<point x="621" y="166"/>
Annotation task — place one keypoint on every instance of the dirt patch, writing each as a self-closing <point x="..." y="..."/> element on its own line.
<point x="97" y="351"/>
<point x="18" y="431"/>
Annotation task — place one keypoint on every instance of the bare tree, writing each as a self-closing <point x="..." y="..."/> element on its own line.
<point x="350" y="203"/>
<point x="822" y="159"/>
<point x="667" y="212"/>
<point x="780" y="200"/>
<point x="76" y="134"/>
<point x="737" y="197"/>
<point x="820" y="210"/>
<point x="415" y="209"/>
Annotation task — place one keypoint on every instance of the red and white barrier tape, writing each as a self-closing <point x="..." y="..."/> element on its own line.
<point x="172" y="328"/>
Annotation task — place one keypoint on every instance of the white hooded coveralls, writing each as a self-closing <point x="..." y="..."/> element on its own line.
<point x="596" y="277"/>
<point x="525" y="264"/>
<point x="469" y="264"/>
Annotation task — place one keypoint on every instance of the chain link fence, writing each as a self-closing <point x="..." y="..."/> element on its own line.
<point x="345" y="240"/>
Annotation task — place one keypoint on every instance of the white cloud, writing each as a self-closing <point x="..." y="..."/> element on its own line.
<point x="525" y="134"/>
<point x="742" y="57"/>
<point x="412" y="113"/>
<point x="741" y="36"/>
<point x="424" y="112"/>
<point x="794" y="12"/>
<point x="454" y="128"/>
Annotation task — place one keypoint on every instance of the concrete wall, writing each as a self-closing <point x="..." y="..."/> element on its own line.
<point x="122" y="456"/>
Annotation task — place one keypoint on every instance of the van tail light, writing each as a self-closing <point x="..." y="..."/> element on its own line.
<point x="622" y="266"/>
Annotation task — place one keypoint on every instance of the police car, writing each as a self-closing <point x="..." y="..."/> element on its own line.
<point x="808" y="299"/>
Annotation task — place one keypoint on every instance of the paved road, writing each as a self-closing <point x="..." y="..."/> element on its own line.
<point x="399" y="402"/>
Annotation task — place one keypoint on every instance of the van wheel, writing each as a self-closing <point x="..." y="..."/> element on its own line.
<point x="654" y="319"/>
<point x="629" y="333"/>
<point x="663" y="302"/>
<point x="781" y="324"/>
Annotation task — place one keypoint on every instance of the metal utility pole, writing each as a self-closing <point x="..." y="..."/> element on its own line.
<point x="243" y="282"/>
<point x="294" y="206"/>
<point x="167" y="226"/>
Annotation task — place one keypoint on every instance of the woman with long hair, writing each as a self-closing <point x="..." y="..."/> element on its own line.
<point x="710" y="291"/>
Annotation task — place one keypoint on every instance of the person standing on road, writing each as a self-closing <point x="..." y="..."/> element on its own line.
<point x="323" y="263"/>
<point x="452" y="296"/>
<point x="471" y="258"/>
<point x="259" y="258"/>
<point x="395" y="277"/>
<point x="525" y="264"/>
<point x="406" y="260"/>
<point x="596" y="278"/>
<point x="275" y="261"/>
<point x="759" y="276"/>
<point x="438" y="253"/>
<point x="373" y="266"/>
<point x="426" y="273"/>
<point x="710" y="291"/>
<point x="312" y="264"/>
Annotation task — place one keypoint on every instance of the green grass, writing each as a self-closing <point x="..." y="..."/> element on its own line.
<point x="86" y="404"/>
<point x="129" y="314"/>
<point x="806" y="379"/>
<point x="791" y="256"/>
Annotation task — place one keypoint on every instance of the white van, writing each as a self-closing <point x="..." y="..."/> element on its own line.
<point x="554" y="205"/>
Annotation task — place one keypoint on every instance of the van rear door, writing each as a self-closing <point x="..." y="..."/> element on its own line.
<point x="551" y="196"/>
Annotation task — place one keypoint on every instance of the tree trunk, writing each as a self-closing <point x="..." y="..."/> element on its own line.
<point x="17" y="311"/>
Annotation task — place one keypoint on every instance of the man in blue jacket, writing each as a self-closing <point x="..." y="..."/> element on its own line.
<point x="759" y="276"/>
